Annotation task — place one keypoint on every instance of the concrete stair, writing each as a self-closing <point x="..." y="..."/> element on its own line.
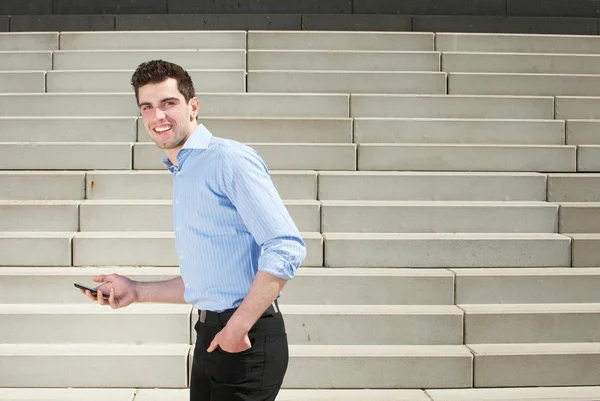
<point x="522" y="63"/>
<point x="520" y="84"/>
<point x="26" y="60"/>
<point x="102" y="60"/>
<point x="343" y="60"/>
<point x="215" y="81"/>
<point x="445" y="185"/>
<point x="464" y="131"/>
<point x="222" y="105"/>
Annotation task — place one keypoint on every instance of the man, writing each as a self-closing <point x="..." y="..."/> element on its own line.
<point x="236" y="242"/>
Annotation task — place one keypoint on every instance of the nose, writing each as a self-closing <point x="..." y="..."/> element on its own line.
<point x="159" y="114"/>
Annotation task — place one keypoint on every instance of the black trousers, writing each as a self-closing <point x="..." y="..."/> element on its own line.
<point x="252" y="375"/>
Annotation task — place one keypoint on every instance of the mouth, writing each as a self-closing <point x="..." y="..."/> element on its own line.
<point x="162" y="129"/>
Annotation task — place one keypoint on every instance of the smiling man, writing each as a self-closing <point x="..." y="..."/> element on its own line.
<point x="236" y="242"/>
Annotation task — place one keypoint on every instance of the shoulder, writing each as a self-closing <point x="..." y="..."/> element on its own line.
<point x="234" y="154"/>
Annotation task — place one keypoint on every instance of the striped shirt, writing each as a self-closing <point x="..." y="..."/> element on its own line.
<point x="229" y="221"/>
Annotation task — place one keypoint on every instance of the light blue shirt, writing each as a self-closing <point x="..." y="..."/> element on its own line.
<point x="229" y="222"/>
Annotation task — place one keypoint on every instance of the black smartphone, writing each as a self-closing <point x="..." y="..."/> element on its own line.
<point x="93" y="291"/>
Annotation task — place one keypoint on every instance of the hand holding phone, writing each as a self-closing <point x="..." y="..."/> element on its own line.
<point x="93" y="291"/>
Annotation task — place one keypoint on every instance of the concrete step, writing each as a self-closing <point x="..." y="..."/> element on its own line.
<point x="18" y="215"/>
<point x="309" y="325"/>
<point x="459" y="157"/>
<point x="216" y="81"/>
<point x="280" y="156"/>
<point x="582" y="132"/>
<point x="532" y="323"/>
<point x="510" y="43"/>
<point x="357" y="41"/>
<point x="158" y="215"/>
<point x="462" y="131"/>
<point x="28" y="41"/>
<point x="574" y="187"/>
<point x="583" y="393"/>
<point x="523" y="84"/>
<point x="131" y="129"/>
<point x="158" y="185"/>
<point x="213" y="105"/>
<point x="347" y="82"/>
<point x="147" y="249"/>
<point x="577" y="107"/>
<point x="446" y="250"/>
<point x="117" y="215"/>
<point x="162" y="366"/>
<point x="451" y="106"/>
<point x="586" y="250"/>
<point x="431" y="186"/>
<point x="519" y="365"/>
<point x="343" y="60"/>
<point x="276" y="130"/>
<point x="157" y="40"/>
<point x="436" y="217"/>
<point x="51" y="248"/>
<point x="95" y="394"/>
<point x="116" y="365"/>
<point x="391" y="366"/>
<point x="42" y="185"/>
<point x="22" y="82"/>
<point x="70" y="324"/>
<point x="579" y="218"/>
<point x="65" y="156"/>
<point x="521" y="63"/>
<point x="310" y="286"/>
<point x="527" y="285"/>
<point x="129" y="59"/>
<point x="588" y="158"/>
<point x="387" y="324"/>
<point x="26" y="61"/>
<point x="43" y="285"/>
<point x="73" y="129"/>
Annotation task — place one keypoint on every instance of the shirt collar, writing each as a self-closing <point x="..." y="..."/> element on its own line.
<point x="199" y="139"/>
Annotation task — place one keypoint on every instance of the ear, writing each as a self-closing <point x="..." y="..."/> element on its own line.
<point x="194" y="108"/>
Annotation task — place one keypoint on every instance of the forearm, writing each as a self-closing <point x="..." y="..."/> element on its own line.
<point x="262" y="293"/>
<point x="170" y="291"/>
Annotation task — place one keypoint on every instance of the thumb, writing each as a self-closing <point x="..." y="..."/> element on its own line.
<point x="99" y="279"/>
<point x="213" y="345"/>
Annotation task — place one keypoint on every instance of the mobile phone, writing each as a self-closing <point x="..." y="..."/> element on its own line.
<point x="93" y="291"/>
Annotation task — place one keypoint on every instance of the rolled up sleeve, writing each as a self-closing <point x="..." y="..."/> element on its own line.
<point x="248" y="185"/>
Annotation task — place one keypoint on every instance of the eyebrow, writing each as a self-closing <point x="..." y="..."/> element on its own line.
<point x="167" y="99"/>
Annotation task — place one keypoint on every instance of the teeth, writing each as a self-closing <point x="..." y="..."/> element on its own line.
<point x="162" y="129"/>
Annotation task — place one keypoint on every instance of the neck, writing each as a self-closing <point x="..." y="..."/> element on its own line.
<point x="172" y="153"/>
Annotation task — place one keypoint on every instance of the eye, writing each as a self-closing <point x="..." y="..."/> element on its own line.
<point x="169" y="103"/>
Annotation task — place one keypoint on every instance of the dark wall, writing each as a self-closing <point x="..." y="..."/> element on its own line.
<point x="518" y="8"/>
<point x="340" y="22"/>
<point x="500" y="16"/>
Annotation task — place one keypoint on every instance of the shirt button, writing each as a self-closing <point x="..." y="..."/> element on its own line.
<point x="181" y="257"/>
<point x="177" y="228"/>
<point x="176" y="200"/>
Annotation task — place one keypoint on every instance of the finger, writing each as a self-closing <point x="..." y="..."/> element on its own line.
<point x="89" y="295"/>
<point x="111" y="299"/>
<point x="213" y="345"/>
<point x="101" y="299"/>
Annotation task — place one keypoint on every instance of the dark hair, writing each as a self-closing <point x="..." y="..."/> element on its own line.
<point x="156" y="71"/>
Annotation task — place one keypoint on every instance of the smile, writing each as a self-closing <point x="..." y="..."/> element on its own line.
<point x="162" y="129"/>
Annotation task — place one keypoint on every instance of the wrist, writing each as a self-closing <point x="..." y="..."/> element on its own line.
<point x="137" y="292"/>
<point x="239" y="324"/>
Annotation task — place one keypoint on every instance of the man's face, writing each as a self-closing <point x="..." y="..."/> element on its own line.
<point x="167" y="117"/>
